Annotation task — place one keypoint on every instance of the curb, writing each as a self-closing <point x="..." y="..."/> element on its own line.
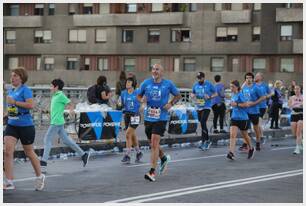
<point x="166" y="140"/>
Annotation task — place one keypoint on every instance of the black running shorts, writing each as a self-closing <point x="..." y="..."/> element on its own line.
<point x="26" y="134"/>
<point x="241" y="124"/>
<point x="296" y="117"/>
<point x="158" y="128"/>
<point x="254" y="118"/>
<point x="262" y="112"/>
<point x="127" y="120"/>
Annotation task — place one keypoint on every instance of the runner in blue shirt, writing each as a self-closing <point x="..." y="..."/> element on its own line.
<point x="155" y="92"/>
<point x="239" y="120"/>
<point x="218" y="105"/>
<point x="203" y="92"/>
<point x="20" y="126"/>
<point x="254" y="95"/>
<point x="131" y="107"/>
<point x="264" y="104"/>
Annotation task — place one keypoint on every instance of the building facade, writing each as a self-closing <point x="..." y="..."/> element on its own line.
<point x="78" y="42"/>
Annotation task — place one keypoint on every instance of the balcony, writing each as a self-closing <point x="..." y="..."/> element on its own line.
<point x="297" y="46"/>
<point x="128" y="19"/>
<point x="289" y="15"/>
<point x="22" y="21"/>
<point x="230" y="17"/>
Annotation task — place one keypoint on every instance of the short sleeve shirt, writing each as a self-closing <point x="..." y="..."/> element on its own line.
<point x="200" y="90"/>
<point x="130" y="102"/>
<point x="58" y="103"/>
<point x="157" y="95"/>
<point x="252" y="93"/>
<point x="265" y="91"/>
<point x="239" y="113"/>
<point x="20" y="116"/>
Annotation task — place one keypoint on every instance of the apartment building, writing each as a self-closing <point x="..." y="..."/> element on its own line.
<point x="80" y="41"/>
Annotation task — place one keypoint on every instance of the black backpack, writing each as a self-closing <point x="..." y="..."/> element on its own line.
<point x="92" y="94"/>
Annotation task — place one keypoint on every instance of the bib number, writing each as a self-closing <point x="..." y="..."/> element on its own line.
<point x="135" y="120"/>
<point x="154" y="113"/>
<point x="12" y="112"/>
<point x="201" y="101"/>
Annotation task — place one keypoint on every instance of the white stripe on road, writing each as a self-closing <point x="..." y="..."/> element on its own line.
<point x="181" y="160"/>
<point x="207" y="185"/>
<point x="217" y="187"/>
<point x="32" y="178"/>
<point x="197" y="158"/>
<point x="282" y="148"/>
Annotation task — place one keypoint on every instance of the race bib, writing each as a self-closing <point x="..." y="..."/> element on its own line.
<point x="135" y="120"/>
<point x="154" y="113"/>
<point x="201" y="101"/>
<point x="12" y="112"/>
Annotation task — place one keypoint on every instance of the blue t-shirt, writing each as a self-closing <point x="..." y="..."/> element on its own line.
<point x="157" y="95"/>
<point x="265" y="91"/>
<point x="220" y="91"/>
<point x="239" y="113"/>
<point x="200" y="90"/>
<point x="251" y="94"/>
<point x="130" y="102"/>
<point x="19" y="116"/>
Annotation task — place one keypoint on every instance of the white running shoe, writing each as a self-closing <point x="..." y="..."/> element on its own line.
<point x="40" y="182"/>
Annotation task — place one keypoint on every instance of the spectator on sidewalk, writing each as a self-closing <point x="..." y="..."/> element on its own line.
<point x="276" y="104"/>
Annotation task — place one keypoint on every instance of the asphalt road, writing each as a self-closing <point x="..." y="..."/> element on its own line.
<point x="274" y="176"/>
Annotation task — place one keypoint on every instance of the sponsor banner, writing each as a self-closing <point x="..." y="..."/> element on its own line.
<point x="183" y="121"/>
<point x="99" y="125"/>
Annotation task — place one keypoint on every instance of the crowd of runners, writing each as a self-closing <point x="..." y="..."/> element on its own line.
<point x="250" y="100"/>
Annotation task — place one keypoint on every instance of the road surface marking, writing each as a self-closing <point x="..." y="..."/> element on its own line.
<point x="282" y="148"/>
<point x="32" y="178"/>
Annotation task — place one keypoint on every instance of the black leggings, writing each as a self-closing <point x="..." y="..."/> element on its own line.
<point x="219" y="111"/>
<point x="274" y="113"/>
<point x="203" y="117"/>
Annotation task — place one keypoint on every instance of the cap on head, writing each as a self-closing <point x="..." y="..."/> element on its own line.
<point x="200" y="75"/>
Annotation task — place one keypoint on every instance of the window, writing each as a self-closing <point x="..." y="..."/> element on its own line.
<point x="189" y="64"/>
<point x="100" y="35"/>
<point x="154" y="61"/>
<point x="39" y="9"/>
<point x="176" y="64"/>
<point x="192" y="7"/>
<point x="102" y="64"/>
<point x="87" y="63"/>
<point x="38" y="63"/>
<point x="43" y="36"/>
<point x="51" y="9"/>
<point x="287" y="65"/>
<point x="259" y="64"/>
<point x="286" y="32"/>
<point x="87" y="8"/>
<point x="157" y="7"/>
<point x="13" y="62"/>
<point x="72" y="63"/>
<point x="127" y="36"/>
<point x="218" y="7"/>
<point x="227" y="34"/>
<point x="217" y="64"/>
<point x="14" y="10"/>
<point x="153" y="35"/>
<point x="257" y="7"/>
<point x="104" y="9"/>
<point x="129" y="64"/>
<point x="180" y="35"/>
<point x="49" y="63"/>
<point x="72" y="9"/>
<point x="77" y="36"/>
<point x="131" y="8"/>
<point x="256" y="33"/>
<point x="10" y="37"/>
<point x="237" y="7"/>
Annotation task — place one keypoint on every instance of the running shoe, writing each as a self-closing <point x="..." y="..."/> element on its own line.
<point x="138" y="156"/>
<point x="216" y="131"/>
<point x="257" y="146"/>
<point x="150" y="176"/>
<point x="251" y="153"/>
<point x="163" y="165"/>
<point x="207" y="145"/>
<point x="223" y="131"/>
<point x="297" y="150"/>
<point x="230" y="156"/>
<point x="201" y="147"/>
<point x="85" y="158"/>
<point x="126" y="159"/>
<point x="43" y="167"/>
<point x="243" y="147"/>
<point x="40" y="182"/>
<point x="8" y="185"/>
